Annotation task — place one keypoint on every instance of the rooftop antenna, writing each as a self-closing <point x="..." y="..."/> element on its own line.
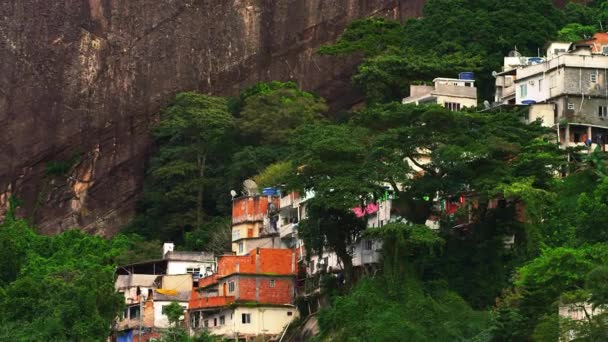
<point x="250" y="187"/>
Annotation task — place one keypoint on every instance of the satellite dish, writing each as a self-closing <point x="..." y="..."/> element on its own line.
<point x="486" y="104"/>
<point x="233" y="193"/>
<point x="494" y="74"/>
<point x="250" y="187"/>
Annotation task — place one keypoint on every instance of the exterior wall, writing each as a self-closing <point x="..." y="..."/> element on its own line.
<point x="420" y="90"/>
<point x="251" y="208"/>
<point x="263" y="321"/>
<point x="180" y="267"/>
<point x="180" y="283"/>
<point x="160" y="319"/>
<point x="578" y="80"/>
<point x="247" y="230"/>
<point x="275" y="261"/>
<point x="585" y="110"/>
<point x="252" y="244"/>
<point x="544" y="112"/>
<point x="259" y="289"/>
<point x="464" y="102"/>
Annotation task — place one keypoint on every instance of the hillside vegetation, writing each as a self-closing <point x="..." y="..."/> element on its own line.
<point x="460" y="283"/>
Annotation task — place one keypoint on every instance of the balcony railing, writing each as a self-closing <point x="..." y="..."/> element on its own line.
<point x="288" y="230"/>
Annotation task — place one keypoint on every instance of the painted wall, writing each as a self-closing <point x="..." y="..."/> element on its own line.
<point x="161" y="320"/>
<point x="464" y="102"/>
<point x="180" y="267"/>
<point x="263" y="321"/>
<point x="180" y="283"/>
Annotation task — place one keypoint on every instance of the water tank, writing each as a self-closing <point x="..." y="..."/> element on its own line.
<point x="466" y="75"/>
<point x="270" y="192"/>
<point x="535" y="60"/>
<point x="528" y="102"/>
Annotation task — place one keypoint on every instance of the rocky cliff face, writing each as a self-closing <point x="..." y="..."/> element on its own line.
<point x="82" y="80"/>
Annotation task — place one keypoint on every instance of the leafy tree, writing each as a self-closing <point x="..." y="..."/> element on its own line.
<point x="174" y="312"/>
<point x="67" y="282"/>
<point x="381" y="310"/>
<point x="331" y="229"/>
<point x="214" y="236"/>
<point x="270" y="117"/>
<point x="192" y="130"/>
<point x="275" y="174"/>
<point x="451" y="36"/>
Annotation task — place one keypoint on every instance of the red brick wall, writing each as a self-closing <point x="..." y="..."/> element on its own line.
<point x="246" y="289"/>
<point x="227" y="264"/>
<point x="251" y="208"/>
<point x="281" y="293"/>
<point x="277" y="261"/>
<point x="272" y="261"/>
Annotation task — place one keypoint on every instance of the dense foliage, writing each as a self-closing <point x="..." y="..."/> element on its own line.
<point x="462" y="282"/>
<point x="57" y="288"/>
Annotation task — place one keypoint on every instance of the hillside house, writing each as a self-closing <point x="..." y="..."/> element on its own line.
<point x="250" y="295"/>
<point x="452" y="93"/>
<point x="572" y="83"/>
<point x="148" y="287"/>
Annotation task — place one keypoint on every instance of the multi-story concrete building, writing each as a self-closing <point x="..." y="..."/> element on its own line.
<point x="254" y="223"/>
<point x="572" y="83"/>
<point x="250" y="295"/>
<point x="452" y="93"/>
<point x="148" y="287"/>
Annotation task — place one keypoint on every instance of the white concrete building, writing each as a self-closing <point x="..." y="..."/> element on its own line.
<point x="246" y="321"/>
<point x="452" y="93"/>
<point x="574" y="83"/>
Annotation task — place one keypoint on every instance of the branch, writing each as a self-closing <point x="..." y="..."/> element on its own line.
<point x="429" y="170"/>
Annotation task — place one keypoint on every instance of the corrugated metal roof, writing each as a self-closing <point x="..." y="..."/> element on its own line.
<point x="133" y="280"/>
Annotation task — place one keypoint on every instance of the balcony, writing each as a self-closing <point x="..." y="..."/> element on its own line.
<point x="288" y="230"/>
<point x="197" y="302"/>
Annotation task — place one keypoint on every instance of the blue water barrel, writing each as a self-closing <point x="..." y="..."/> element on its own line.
<point x="528" y="102"/>
<point x="466" y="75"/>
<point x="535" y="60"/>
<point x="270" y="192"/>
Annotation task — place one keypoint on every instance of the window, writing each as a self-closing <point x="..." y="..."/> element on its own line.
<point x="241" y="247"/>
<point x="134" y="312"/>
<point x="193" y="270"/>
<point x="215" y="322"/>
<point x="246" y="318"/>
<point x="289" y="313"/>
<point x="593" y="78"/>
<point x="367" y="245"/>
<point x="453" y="106"/>
<point x="603" y="111"/>
<point x="222" y="320"/>
<point x="605" y="50"/>
<point x="523" y="90"/>
<point x="231" y="286"/>
<point x="206" y="323"/>
<point x="570" y="105"/>
<point x="272" y="283"/>
<point x="540" y="85"/>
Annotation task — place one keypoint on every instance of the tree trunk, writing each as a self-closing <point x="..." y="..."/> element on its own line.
<point x="201" y="160"/>
<point x="347" y="262"/>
